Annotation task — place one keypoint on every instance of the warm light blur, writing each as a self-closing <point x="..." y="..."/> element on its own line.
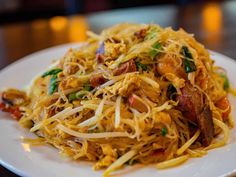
<point x="77" y="28"/>
<point x="58" y="23"/>
<point x="212" y="18"/>
<point x="39" y="24"/>
<point x="26" y="147"/>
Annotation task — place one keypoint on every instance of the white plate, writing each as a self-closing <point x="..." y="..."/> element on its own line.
<point x="44" y="161"/>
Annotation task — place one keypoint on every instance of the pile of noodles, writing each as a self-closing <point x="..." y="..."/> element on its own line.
<point x="97" y="123"/>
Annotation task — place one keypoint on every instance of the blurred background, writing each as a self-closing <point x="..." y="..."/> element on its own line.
<point x="27" y="26"/>
<point x="18" y="10"/>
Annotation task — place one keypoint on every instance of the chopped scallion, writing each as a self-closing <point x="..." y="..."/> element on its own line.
<point x="226" y="81"/>
<point x="156" y="47"/>
<point x="189" y="65"/>
<point x="163" y="131"/>
<point x="53" y="85"/>
<point x="52" y="72"/>
<point x="141" y="66"/>
<point x="88" y="87"/>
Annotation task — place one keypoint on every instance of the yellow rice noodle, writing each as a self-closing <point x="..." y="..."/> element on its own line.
<point x="130" y="114"/>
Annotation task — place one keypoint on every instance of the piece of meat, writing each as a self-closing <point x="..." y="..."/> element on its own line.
<point x="141" y="33"/>
<point x="135" y="102"/>
<point x="158" y="155"/>
<point x="97" y="79"/>
<point x="206" y="125"/>
<point x="190" y="103"/>
<point x="224" y="104"/>
<point x="126" y="67"/>
<point x="100" y="58"/>
<point x="194" y="108"/>
<point x="13" y="110"/>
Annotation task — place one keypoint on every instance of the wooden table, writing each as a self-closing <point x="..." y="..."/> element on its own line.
<point x="213" y="24"/>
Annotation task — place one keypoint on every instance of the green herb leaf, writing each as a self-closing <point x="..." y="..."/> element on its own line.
<point x="72" y="96"/>
<point x="76" y="95"/>
<point x="164" y="131"/>
<point x="151" y="34"/>
<point x="189" y="65"/>
<point x="52" y="72"/>
<point x="141" y="66"/>
<point x="156" y="47"/>
<point x="171" y="92"/>
<point x="226" y="81"/>
<point x="53" y="85"/>
<point x="88" y="87"/>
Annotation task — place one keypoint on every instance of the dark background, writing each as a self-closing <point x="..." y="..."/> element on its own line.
<point x="21" y="10"/>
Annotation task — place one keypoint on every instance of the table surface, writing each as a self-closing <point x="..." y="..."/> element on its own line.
<point x="213" y="24"/>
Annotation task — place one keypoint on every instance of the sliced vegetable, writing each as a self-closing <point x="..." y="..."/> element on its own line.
<point x="141" y="66"/>
<point x="52" y="72"/>
<point x="171" y="92"/>
<point x="91" y="135"/>
<point x="156" y="47"/>
<point x="189" y="65"/>
<point x="151" y="34"/>
<point x="226" y="81"/>
<point x="172" y="162"/>
<point x="53" y="81"/>
<point x="88" y="87"/>
<point x="119" y="162"/>
<point x="94" y="119"/>
<point x="164" y="131"/>
<point x="72" y="97"/>
<point x="53" y="85"/>
<point x="77" y="95"/>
